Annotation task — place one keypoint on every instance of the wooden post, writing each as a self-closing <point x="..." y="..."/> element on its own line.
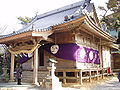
<point x="101" y="55"/>
<point x="12" y="68"/>
<point x="76" y="75"/>
<point x="35" y="70"/>
<point x="102" y="73"/>
<point x="97" y="75"/>
<point x="64" y="77"/>
<point x="90" y="75"/>
<point x="80" y="75"/>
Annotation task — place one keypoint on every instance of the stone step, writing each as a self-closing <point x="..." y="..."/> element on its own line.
<point x="27" y="76"/>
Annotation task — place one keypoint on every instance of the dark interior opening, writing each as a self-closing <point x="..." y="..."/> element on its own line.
<point x="41" y="56"/>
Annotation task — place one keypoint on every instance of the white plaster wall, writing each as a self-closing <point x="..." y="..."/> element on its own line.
<point x="106" y="57"/>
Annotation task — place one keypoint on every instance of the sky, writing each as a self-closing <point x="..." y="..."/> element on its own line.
<point x="11" y="9"/>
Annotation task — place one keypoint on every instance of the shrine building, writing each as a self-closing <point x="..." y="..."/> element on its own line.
<point x="71" y="35"/>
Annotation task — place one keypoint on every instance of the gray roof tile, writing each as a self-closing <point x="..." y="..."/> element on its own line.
<point x="45" y="21"/>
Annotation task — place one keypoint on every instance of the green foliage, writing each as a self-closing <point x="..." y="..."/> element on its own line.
<point x="114" y="5"/>
<point x="113" y="20"/>
<point x="24" y="20"/>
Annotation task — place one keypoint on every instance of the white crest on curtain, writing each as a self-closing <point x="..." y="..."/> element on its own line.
<point x="54" y="49"/>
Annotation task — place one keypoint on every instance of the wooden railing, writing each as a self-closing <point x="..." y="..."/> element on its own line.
<point x="79" y="75"/>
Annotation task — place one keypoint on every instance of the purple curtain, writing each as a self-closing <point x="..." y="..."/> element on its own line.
<point x="24" y="58"/>
<point x="74" y="52"/>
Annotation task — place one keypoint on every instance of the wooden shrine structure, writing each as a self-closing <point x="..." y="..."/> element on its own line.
<point x="71" y="35"/>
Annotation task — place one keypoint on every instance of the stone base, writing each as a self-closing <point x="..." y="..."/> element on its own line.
<point x="11" y="80"/>
<point x="37" y="84"/>
<point x="51" y="83"/>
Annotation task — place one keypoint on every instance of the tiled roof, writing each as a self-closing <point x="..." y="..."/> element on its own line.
<point x="44" y="21"/>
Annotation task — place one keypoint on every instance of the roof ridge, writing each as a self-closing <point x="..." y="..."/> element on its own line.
<point x="64" y="8"/>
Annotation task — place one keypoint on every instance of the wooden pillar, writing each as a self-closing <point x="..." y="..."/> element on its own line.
<point x="35" y="68"/>
<point x="90" y="75"/>
<point x="97" y="74"/>
<point x="80" y="75"/>
<point x="101" y="54"/>
<point x="64" y="77"/>
<point x="12" y="68"/>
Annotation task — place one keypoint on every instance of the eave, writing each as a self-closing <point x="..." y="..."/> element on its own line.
<point x="15" y="37"/>
<point x="92" y="27"/>
<point x="115" y="46"/>
<point x="116" y="52"/>
<point x="26" y="36"/>
<point x="82" y="22"/>
<point x="86" y="24"/>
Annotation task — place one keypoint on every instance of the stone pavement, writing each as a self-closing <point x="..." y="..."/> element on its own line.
<point x="108" y="83"/>
<point x="26" y="86"/>
<point x="14" y="86"/>
<point x="111" y="84"/>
